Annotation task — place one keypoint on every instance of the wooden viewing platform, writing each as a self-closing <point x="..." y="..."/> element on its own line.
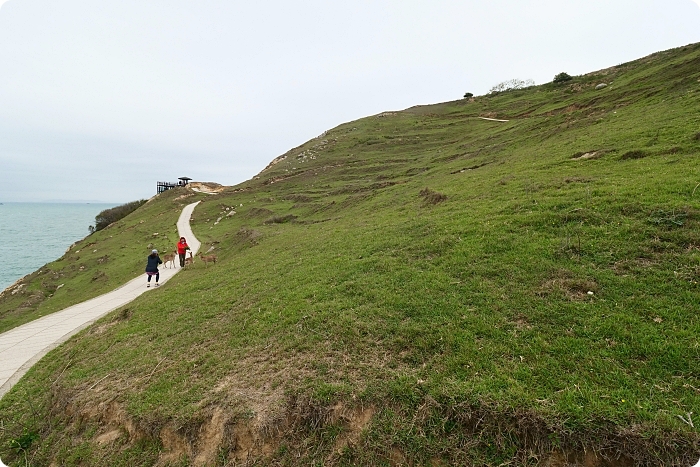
<point x="165" y="186"/>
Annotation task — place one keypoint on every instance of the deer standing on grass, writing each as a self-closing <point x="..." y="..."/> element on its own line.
<point x="169" y="258"/>
<point x="189" y="260"/>
<point x="207" y="259"/>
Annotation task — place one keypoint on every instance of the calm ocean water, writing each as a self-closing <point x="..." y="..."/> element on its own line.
<point x="33" y="234"/>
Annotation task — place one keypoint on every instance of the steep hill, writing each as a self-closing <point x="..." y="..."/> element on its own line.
<point x="422" y="287"/>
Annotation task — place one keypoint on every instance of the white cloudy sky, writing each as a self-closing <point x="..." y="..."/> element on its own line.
<point x="100" y="99"/>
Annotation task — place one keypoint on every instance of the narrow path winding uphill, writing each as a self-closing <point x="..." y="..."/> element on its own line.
<point x="22" y="347"/>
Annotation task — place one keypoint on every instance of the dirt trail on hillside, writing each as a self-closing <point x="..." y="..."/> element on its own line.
<point x="493" y="119"/>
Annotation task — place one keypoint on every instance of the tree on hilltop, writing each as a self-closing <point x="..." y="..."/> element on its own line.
<point x="562" y="77"/>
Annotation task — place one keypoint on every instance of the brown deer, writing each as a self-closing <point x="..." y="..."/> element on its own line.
<point x="169" y="258"/>
<point x="207" y="259"/>
<point x="189" y="260"/>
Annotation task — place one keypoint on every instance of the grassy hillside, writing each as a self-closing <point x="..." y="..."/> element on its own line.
<point x="421" y="287"/>
<point x="97" y="264"/>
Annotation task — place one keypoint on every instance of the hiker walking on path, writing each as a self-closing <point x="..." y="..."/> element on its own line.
<point x="182" y="247"/>
<point x="152" y="267"/>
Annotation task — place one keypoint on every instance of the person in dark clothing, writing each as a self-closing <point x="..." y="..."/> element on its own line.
<point x="182" y="247"/>
<point x="152" y="267"/>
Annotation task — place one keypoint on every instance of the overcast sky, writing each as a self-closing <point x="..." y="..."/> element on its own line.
<point x="101" y="99"/>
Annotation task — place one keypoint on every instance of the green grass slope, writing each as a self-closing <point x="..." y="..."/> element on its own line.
<point x="97" y="264"/>
<point x="421" y="287"/>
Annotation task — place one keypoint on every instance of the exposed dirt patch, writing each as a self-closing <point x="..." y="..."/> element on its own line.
<point x="101" y="329"/>
<point x="354" y="420"/>
<point x="573" y="288"/>
<point x="507" y="179"/>
<point x="248" y="235"/>
<point x="206" y="187"/>
<point x="99" y="276"/>
<point x="397" y="458"/>
<point x="521" y="323"/>
<point x="111" y="418"/>
<point x="627" y="266"/>
<point x="585" y="459"/>
<point x="578" y="87"/>
<point x="186" y="195"/>
<point x="577" y="180"/>
<point x="275" y="161"/>
<point x="260" y="212"/>
<point x="352" y="200"/>
<point x="254" y="388"/>
<point x="416" y="170"/>
<point x="473" y="167"/>
<point x="200" y="446"/>
<point x="299" y="198"/>
<point x="223" y="433"/>
<point x="109" y="437"/>
<point x="34" y="299"/>
<point x="584" y="156"/>
<point x="250" y="443"/>
<point x="210" y="438"/>
<point x="280" y="219"/>
<point x="273" y="180"/>
<point x="432" y="197"/>
<point x="636" y="154"/>
<point x="488" y="115"/>
<point x="244" y="442"/>
<point x="14" y="289"/>
<point x="175" y="447"/>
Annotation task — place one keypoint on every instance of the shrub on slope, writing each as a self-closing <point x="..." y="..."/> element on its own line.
<point x="111" y="215"/>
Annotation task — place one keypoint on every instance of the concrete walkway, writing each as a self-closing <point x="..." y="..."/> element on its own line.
<point x="22" y="347"/>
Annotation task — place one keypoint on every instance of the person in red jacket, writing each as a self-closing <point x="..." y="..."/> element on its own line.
<point x="182" y="247"/>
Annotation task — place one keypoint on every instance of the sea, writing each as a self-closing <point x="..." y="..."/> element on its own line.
<point x="33" y="234"/>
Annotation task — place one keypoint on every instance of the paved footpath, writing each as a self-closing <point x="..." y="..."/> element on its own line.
<point x="22" y="347"/>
